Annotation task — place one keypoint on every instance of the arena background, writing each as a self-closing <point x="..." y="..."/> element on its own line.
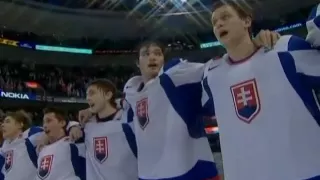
<point x="51" y="49"/>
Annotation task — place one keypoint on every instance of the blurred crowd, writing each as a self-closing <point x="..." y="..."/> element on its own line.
<point x="58" y="81"/>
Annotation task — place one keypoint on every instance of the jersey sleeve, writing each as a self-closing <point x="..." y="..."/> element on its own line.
<point x="32" y="131"/>
<point x="313" y="26"/>
<point x="71" y="124"/>
<point x="207" y="99"/>
<point x="308" y="64"/>
<point x="78" y="160"/>
<point x="34" y="134"/>
<point x="305" y="60"/>
<point x="182" y="72"/>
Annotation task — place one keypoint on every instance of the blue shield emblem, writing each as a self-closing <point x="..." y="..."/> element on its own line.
<point x="100" y="145"/>
<point x="8" y="160"/>
<point x="246" y="100"/>
<point x="142" y="113"/>
<point x="44" y="168"/>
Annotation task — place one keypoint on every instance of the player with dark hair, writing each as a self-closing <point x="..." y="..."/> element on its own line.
<point x="263" y="98"/>
<point x="110" y="142"/>
<point x="60" y="159"/>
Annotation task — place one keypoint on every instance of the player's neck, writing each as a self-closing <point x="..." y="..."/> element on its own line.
<point x="241" y="50"/>
<point x="57" y="137"/>
<point x="107" y="111"/>
<point x="146" y="79"/>
<point x="14" y="136"/>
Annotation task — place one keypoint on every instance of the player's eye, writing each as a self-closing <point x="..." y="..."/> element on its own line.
<point x="225" y="16"/>
<point x="214" y="22"/>
<point x="144" y="53"/>
<point x="158" y="53"/>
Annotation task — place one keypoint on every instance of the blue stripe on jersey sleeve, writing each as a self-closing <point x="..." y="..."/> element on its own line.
<point x="296" y="43"/>
<point x="130" y="115"/>
<point x="171" y="64"/>
<point x="317" y="21"/>
<point x="1" y="166"/>
<point x="300" y="84"/>
<point x="34" y="130"/>
<point x="186" y="100"/>
<point x="78" y="162"/>
<point x="131" y="139"/>
<point x="32" y="153"/>
<point x="208" y="107"/>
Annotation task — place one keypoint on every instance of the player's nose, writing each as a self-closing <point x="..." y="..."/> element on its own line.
<point x="152" y="58"/>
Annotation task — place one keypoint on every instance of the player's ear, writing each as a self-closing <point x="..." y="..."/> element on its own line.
<point x="248" y="21"/>
<point x="109" y="95"/>
<point x="21" y="125"/>
<point x="63" y="123"/>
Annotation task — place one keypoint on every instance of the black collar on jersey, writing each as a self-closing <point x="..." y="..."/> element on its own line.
<point x="232" y="61"/>
<point x="108" y="118"/>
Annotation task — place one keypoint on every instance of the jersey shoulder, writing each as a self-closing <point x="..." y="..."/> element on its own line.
<point x="291" y="43"/>
<point x="213" y="64"/>
<point x="32" y="131"/>
<point x="133" y="84"/>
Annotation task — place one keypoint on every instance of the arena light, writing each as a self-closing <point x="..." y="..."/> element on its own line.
<point x="32" y="85"/>
<point x="63" y="49"/>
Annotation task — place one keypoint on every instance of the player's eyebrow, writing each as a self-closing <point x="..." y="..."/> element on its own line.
<point x="89" y="91"/>
<point x="144" y="51"/>
<point x="157" y="50"/>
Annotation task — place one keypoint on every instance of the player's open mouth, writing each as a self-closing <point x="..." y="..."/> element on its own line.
<point x="223" y="34"/>
<point x="46" y="131"/>
<point x="152" y="65"/>
<point x="91" y="105"/>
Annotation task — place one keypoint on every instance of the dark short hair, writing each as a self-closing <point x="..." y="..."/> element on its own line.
<point x="105" y="86"/>
<point x="242" y="9"/>
<point x="150" y="43"/>
<point x="60" y="114"/>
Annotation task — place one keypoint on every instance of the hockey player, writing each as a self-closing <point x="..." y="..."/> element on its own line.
<point x="60" y="159"/>
<point x="265" y="101"/>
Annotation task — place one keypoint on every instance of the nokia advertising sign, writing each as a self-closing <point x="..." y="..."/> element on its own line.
<point x="14" y="95"/>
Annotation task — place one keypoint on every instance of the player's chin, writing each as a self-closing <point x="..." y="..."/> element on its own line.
<point x="92" y="110"/>
<point x="224" y="40"/>
<point x="5" y="135"/>
<point x="154" y="71"/>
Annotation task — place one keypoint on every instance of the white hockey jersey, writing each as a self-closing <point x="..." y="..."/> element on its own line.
<point x="20" y="156"/>
<point x="62" y="160"/>
<point x="267" y="112"/>
<point x="168" y="124"/>
<point x="110" y="149"/>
